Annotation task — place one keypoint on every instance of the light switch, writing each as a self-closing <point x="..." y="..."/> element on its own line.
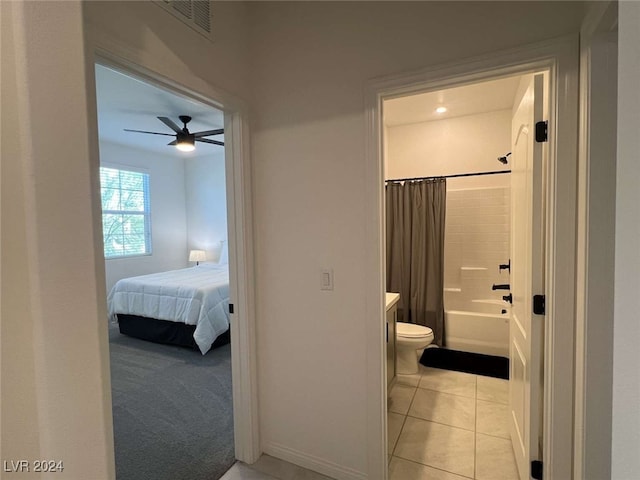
<point x="326" y="279"/>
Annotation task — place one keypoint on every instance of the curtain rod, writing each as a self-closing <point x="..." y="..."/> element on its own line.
<point x="449" y="176"/>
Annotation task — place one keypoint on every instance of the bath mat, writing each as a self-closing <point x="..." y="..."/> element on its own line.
<point x="477" y="363"/>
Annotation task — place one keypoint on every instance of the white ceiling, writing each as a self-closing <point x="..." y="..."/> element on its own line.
<point x="125" y="102"/>
<point x="468" y="100"/>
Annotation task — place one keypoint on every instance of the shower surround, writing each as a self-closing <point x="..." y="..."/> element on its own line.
<point x="477" y="242"/>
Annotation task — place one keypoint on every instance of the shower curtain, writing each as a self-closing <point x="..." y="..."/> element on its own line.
<point x="415" y="214"/>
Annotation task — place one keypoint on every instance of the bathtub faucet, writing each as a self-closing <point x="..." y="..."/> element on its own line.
<point x="502" y="286"/>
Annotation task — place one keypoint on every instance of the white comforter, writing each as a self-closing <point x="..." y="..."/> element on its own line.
<point x="195" y="296"/>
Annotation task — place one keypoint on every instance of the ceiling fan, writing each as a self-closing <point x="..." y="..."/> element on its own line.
<point x="185" y="140"/>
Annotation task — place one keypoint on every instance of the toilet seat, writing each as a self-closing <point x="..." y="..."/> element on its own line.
<point x="411" y="330"/>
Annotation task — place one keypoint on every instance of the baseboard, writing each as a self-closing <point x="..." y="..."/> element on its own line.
<point x="310" y="462"/>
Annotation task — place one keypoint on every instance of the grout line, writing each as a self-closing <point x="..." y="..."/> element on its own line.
<point x="440" y="423"/>
<point x="412" y="399"/>
<point x="395" y="443"/>
<point x="493" y="436"/>
<point x="405" y="415"/>
<point x="448" y="393"/>
<point x="474" y="431"/>
<point x="431" y="466"/>
<point x="475" y="436"/>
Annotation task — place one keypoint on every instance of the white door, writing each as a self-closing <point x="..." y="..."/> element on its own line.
<point x="527" y="275"/>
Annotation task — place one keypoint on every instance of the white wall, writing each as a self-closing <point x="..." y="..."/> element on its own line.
<point x="143" y="33"/>
<point x="168" y="211"/>
<point x="55" y="366"/>
<point x="471" y="143"/>
<point x="311" y="62"/>
<point x="55" y="363"/>
<point x="17" y="362"/>
<point x="206" y="203"/>
<point x="626" y="328"/>
<point x="477" y="239"/>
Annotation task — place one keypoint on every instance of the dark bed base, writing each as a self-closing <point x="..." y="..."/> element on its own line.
<point x="163" y="331"/>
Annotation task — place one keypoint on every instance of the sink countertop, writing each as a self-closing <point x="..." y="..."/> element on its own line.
<point x="391" y="299"/>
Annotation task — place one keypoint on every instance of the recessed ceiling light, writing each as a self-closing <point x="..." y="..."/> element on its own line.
<point x="441" y="109"/>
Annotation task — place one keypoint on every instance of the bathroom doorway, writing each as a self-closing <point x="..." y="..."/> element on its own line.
<point x="464" y="135"/>
<point x="559" y="60"/>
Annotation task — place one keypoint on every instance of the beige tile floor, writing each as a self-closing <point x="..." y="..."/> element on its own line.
<point x="446" y="425"/>
<point x="270" y="468"/>
<point x="442" y="425"/>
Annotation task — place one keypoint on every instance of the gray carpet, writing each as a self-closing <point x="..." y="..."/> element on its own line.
<point x="172" y="410"/>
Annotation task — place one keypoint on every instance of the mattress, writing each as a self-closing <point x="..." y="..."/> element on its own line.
<point x="194" y="296"/>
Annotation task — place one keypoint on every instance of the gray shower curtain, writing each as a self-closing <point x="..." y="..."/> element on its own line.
<point x="415" y="251"/>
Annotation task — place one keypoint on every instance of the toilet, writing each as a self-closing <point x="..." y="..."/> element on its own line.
<point x="411" y="340"/>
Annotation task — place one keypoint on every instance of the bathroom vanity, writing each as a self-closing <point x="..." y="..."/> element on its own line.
<point x="392" y="318"/>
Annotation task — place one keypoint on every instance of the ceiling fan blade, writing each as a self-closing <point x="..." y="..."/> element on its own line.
<point x="206" y="133"/>
<point x="152" y="133"/>
<point x="175" y="142"/>
<point x="206" y="140"/>
<point x="169" y="123"/>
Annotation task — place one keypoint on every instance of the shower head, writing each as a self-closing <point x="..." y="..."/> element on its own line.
<point x="504" y="159"/>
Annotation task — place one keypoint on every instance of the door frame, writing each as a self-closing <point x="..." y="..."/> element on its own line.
<point x="596" y="241"/>
<point x="560" y="58"/>
<point x="240" y="237"/>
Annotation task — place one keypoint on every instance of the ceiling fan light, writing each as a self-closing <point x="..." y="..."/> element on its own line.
<point x="186" y="145"/>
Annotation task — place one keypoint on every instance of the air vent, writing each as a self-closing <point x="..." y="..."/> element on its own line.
<point x="183" y="7"/>
<point x="195" y="13"/>
<point x="202" y="15"/>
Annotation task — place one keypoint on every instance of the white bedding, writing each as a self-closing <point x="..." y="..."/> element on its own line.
<point x="195" y="296"/>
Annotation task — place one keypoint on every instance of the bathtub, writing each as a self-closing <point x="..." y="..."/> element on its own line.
<point x="478" y="332"/>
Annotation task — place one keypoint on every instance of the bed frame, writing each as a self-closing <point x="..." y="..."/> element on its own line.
<point x="163" y="331"/>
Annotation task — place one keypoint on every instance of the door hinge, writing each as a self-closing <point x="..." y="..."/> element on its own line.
<point x="542" y="131"/>
<point x="230" y="308"/>
<point x="536" y="469"/>
<point x="538" y="304"/>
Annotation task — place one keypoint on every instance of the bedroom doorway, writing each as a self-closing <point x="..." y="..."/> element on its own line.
<point x="164" y="215"/>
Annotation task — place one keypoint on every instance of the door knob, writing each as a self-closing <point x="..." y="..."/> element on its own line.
<point x="506" y="266"/>
<point x="508" y="298"/>
<point x="502" y="286"/>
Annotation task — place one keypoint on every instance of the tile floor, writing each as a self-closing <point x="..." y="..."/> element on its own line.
<point x="446" y="425"/>
<point x="443" y="425"/>
<point x="270" y="468"/>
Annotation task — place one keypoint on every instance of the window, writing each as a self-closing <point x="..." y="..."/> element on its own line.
<point x="126" y="212"/>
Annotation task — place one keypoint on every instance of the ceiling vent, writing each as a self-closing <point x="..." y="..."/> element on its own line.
<point x="195" y="13"/>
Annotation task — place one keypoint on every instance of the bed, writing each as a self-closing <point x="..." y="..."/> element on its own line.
<point x="188" y="307"/>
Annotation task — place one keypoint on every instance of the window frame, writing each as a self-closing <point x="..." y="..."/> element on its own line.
<point x="146" y="213"/>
